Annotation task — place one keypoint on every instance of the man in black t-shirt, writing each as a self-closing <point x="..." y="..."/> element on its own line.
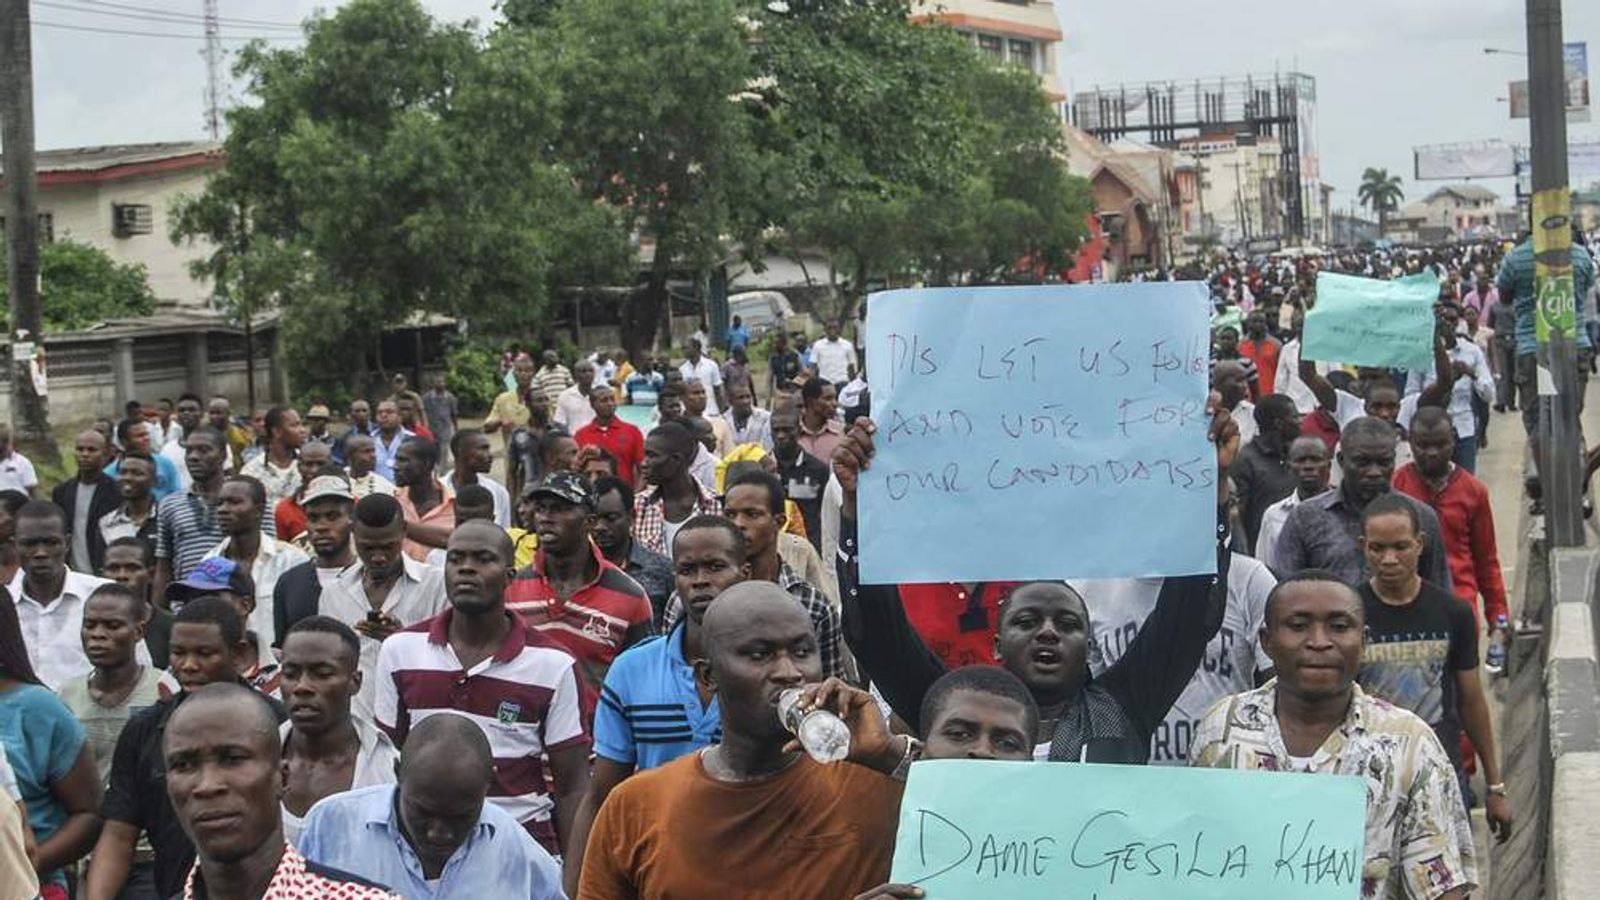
<point x="1422" y="647"/>
<point x="207" y="634"/>
<point x="803" y="475"/>
<point x="783" y="368"/>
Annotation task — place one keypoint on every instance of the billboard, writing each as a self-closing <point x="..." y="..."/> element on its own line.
<point x="1575" y="59"/>
<point x="1456" y="161"/>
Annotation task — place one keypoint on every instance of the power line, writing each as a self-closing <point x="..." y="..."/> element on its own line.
<point x="92" y="6"/>
<point x="163" y="19"/>
<point x="163" y="34"/>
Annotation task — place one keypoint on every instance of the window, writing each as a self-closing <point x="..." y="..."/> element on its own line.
<point x="47" y="228"/>
<point x="992" y="46"/>
<point x="1022" y="54"/>
<point x="130" y="219"/>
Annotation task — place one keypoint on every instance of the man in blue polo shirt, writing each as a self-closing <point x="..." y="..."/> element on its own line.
<point x="652" y="709"/>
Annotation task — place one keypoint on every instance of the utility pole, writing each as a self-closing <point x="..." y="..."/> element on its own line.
<point x="30" y="418"/>
<point x="213" y="58"/>
<point x="1555" y="312"/>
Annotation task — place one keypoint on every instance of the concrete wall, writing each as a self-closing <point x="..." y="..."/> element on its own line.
<point x="1572" y="686"/>
<point x="82" y="212"/>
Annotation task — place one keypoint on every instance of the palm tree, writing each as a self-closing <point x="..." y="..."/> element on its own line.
<point x="1381" y="193"/>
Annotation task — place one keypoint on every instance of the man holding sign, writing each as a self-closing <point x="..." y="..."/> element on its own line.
<point x="1314" y="718"/>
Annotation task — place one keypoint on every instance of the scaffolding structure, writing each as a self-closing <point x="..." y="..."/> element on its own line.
<point x="1280" y="106"/>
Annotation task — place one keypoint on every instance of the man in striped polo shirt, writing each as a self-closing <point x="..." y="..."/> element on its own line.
<point x="571" y="594"/>
<point x="479" y="660"/>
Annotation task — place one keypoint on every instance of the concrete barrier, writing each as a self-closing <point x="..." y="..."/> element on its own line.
<point x="1572" y="692"/>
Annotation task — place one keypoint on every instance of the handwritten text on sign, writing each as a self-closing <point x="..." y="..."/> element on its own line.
<point x="1039" y="432"/>
<point x="1368" y="322"/>
<point x="978" y="830"/>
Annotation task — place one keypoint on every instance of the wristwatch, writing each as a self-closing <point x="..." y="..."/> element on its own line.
<point x="913" y="753"/>
<point x="1498" y="789"/>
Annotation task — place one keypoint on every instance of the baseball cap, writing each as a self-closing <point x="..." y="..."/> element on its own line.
<point x="324" y="486"/>
<point x="214" y="574"/>
<point x="568" y="486"/>
<point x="318" y="411"/>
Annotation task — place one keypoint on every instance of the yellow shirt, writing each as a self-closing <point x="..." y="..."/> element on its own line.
<point x="525" y="544"/>
<point x="509" y="411"/>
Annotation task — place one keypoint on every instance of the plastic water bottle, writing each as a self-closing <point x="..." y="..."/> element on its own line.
<point x="824" y="735"/>
<point x="1494" y="660"/>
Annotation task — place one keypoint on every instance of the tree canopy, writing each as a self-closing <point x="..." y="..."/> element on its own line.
<point x="397" y="164"/>
<point x="82" y="286"/>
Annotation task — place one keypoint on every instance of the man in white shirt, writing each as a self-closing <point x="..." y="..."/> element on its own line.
<point x="385" y="592"/>
<point x="1312" y="463"/>
<point x="572" y="404"/>
<point x="16" y="472"/>
<point x="701" y="368"/>
<point x="50" y="597"/>
<point x="474" y="456"/>
<point x="1467" y="368"/>
<point x="1118" y="608"/>
<point x="832" y="356"/>
<point x="239" y="508"/>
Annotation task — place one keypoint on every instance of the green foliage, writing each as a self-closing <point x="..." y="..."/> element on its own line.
<point x="1380" y="192"/>
<point x="395" y="165"/>
<point x="472" y="373"/>
<point x="83" y="286"/>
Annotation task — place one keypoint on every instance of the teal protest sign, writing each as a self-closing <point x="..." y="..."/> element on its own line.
<point x="1368" y="322"/>
<point x="973" y="830"/>
<point x="1039" y="432"/>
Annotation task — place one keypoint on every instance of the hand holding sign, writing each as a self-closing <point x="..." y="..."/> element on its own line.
<point x="1000" y="411"/>
<point x="1368" y="322"/>
<point x="973" y="830"/>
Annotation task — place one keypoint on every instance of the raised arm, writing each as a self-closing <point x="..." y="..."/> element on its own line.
<point x="1320" y="387"/>
<point x="888" y="649"/>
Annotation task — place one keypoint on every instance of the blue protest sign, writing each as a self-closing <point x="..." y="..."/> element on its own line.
<point x="972" y="830"/>
<point x="1039" y="432"/>
<point x="1368" y="322"/>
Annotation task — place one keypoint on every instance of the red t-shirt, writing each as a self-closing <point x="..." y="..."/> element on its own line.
<point x="622" y="440"/>
<point x="958" y="630"/>
<point x="290" y="519"/>
<point x="1265" y="356"/>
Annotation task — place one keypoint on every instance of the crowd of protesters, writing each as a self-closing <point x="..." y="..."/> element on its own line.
<point x="284" y="656"/>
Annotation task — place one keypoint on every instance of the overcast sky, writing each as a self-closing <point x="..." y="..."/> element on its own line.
<point x="1391" y="74"/>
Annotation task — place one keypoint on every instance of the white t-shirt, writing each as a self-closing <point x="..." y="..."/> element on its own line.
<point x="1118" y="608"/>
<point x="709" y="374"/>
<point x="833" y="359"/>
<point x="16" y="474"/>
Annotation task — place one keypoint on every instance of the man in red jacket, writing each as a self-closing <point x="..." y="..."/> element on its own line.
<point x="1466" y="520"/>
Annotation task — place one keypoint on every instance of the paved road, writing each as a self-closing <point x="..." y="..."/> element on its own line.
<point x="1501" y="467"/>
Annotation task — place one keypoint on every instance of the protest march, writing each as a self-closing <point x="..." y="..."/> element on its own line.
<point x="1229" y="598"/>
<point x="638" y="450"/>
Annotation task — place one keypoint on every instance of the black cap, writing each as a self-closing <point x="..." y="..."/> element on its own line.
<point x="568" y="486"/>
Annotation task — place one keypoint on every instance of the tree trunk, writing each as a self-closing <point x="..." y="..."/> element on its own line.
<point x="29" y="410"/>
<point x="641" y="311"/>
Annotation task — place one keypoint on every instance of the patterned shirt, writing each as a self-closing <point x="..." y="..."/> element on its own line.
<point x="824" y="618"/>
<point x="299" y="879"/>
<point x="650" y="711"/>
<point x="524" y="697"/>
<point x="1418" y="837"/>
<point x="280" y="483"/>
<point x="650" y="517"/>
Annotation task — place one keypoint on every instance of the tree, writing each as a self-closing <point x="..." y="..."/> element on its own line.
<point x="898" y="149"/>
<point x="391" y="166"/>
<point x="654" y="123"/>
<point x="82" y="285"/>
<point x="1381" y="193"/>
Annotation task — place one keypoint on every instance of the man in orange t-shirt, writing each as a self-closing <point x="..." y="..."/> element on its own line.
<point x="751" y="810"/>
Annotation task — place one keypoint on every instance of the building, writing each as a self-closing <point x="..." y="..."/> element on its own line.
<point x="1136" y="202"/>
<point x="1451" y="213"/>
<point x="1017" y="32"/>
<point x="117" y="198"/>
<point x="1351" y="230"/>
<point x="1255" y="177"/>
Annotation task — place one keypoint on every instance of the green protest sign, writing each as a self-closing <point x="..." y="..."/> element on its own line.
<point x="972" y="830"/>
<point x="1368" y="322"/>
